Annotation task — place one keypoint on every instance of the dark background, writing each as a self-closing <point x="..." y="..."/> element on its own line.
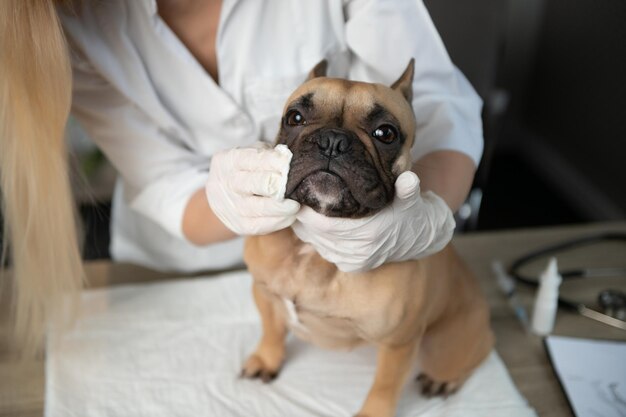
<point x="552" y="74"/>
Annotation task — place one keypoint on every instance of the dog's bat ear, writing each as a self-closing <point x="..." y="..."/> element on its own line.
<point x="318" y="70"/>
<point x="404" y="84"/>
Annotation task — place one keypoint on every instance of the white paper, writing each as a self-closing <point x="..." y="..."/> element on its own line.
<point x="593" y="374"/>
<point x="175" y="349"/>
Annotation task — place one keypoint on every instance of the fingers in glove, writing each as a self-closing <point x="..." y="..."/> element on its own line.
<point x="320" y="223"/>
<point x="267" y="207"/>
<point x="407" y="185"/>
<point x="331" y="252"/>
<point x="264" y="225"/>
<point x="345" y="228"/>
<point x="265" y="184"/>
<point x="251" y="159"/>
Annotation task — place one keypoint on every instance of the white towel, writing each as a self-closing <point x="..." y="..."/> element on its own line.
<point x="176" y="349"/>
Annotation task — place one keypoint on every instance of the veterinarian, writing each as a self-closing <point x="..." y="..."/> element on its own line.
<point x="163" y="86"/>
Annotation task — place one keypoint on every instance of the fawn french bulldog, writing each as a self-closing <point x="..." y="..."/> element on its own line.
<point x="350" y="141"/>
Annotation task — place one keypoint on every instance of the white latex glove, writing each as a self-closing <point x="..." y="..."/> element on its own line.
<point x="246" y="189"/>
<point x="414" y="226"/>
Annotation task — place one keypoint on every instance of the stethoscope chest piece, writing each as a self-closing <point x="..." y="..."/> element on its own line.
<point x="613" y="303"/>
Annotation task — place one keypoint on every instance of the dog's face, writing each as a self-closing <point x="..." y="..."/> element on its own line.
<point x="350" y="140"/>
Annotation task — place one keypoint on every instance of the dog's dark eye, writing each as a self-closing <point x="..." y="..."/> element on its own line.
<point x="295" y="118"/>
<point x="385" y="133"/>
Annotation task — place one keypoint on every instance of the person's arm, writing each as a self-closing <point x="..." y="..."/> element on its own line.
<point x="242" y="196"/>
<point x="171" y="184"/>
<point x="164" y="181"/>
<point x="449" y="174"/>
<point x="200" y="225"/>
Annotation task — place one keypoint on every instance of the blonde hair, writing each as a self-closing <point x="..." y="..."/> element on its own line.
<point x="39" y="217"/>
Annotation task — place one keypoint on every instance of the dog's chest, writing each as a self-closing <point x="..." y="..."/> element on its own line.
<point x="291" y="313"/>
<point x="301" y="290"/>
<point x="328" y="307"/>
<point x="304" y="289"/>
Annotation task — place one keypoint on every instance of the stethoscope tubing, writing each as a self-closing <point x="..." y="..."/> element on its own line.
<point x="565" y="303"/>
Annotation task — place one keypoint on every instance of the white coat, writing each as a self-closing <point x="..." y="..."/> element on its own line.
<point x="158" y="116"/>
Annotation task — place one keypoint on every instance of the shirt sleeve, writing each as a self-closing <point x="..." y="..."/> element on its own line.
<point x="383" y="35"/>
<point x="159" y="174"/>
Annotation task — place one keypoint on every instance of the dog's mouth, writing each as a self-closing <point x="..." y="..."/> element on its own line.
<point x="336" y="190"/>
<point x="327" y="193"/>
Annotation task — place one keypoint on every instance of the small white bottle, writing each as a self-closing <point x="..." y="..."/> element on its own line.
<point x="547" y="300"/>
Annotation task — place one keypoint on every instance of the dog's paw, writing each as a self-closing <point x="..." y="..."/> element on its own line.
<point x="255" y="367"/>
<point x="432" y="388"/>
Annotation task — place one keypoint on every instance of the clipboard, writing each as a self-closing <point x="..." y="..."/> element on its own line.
<point x="592" y="374"/>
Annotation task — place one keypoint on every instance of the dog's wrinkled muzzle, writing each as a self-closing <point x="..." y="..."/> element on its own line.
<point x="333" y="173"/>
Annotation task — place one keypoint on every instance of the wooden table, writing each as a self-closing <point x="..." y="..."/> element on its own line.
<point x="22" y="384"/>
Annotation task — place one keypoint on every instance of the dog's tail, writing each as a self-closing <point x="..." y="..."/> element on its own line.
<point x="39" y="217"/>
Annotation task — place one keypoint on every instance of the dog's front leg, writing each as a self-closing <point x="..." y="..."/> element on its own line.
<point x="266" y="361"/>
<point x="392" y="369"/>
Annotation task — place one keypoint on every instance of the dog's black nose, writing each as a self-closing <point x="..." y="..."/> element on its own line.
<point x="333" y="143"/>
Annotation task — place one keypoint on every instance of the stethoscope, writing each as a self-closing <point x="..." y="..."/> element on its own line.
<point x="611" y="301"/>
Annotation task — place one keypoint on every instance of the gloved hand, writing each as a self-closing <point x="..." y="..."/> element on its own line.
<point x="413" y="226"/>
<point x="246" y="189"/>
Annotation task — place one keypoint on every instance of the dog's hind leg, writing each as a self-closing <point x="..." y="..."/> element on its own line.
<point x="452" y="349"/>
<point x="266" y="361"/>
<point x="392" y="369"/>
